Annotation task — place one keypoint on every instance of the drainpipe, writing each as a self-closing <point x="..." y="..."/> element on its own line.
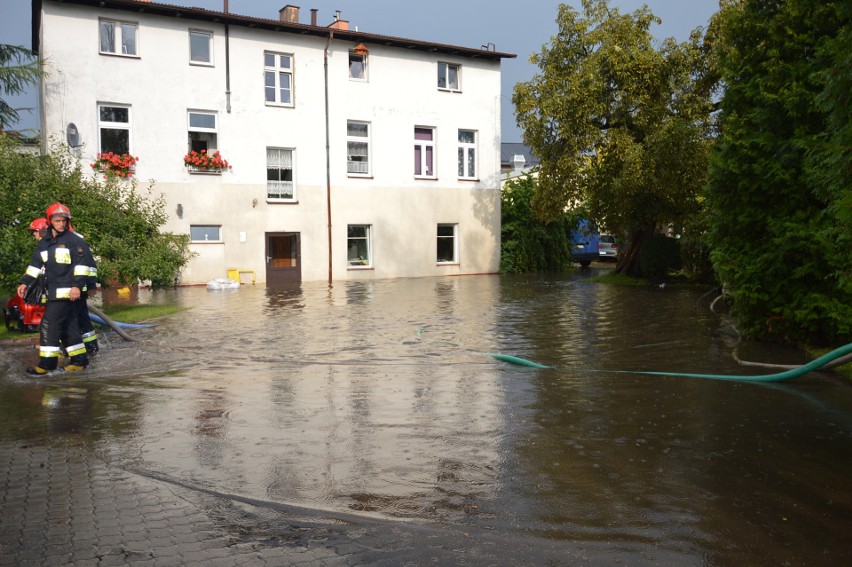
<point x="227" y="65"/>
<point x="327" y="153"/>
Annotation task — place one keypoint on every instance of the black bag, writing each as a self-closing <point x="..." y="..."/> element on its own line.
<point x="37" y="291"/>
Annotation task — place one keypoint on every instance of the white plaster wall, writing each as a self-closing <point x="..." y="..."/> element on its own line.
<point x="160" y="86"/>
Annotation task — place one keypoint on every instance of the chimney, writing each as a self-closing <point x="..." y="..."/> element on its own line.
<point x="313" y="16"/>
<point x="339" y="24"/>
<point x="289" y="14"/>
<point x="518" y="162"/>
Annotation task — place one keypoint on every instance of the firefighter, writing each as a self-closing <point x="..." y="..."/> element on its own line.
<point x="87" y="330"/>
<point x="38" y="228"/>
<point x="68" y="263"/>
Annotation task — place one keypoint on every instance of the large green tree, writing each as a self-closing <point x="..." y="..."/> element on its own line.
<point x="119" y="220"/>
<point x="18" y="69"/>
<point x="620" y="122"/>
<point x="779" y="190"/>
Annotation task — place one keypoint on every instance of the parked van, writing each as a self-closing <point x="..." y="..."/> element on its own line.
<point x="584" y="243"/>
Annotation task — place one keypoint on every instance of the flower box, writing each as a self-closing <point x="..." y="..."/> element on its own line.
<point x="118" y="165"/>
<point x="202" y="162"/>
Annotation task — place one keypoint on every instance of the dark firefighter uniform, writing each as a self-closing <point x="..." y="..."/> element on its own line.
<point x="68" y="262"/>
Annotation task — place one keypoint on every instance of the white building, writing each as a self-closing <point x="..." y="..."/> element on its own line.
<point x="353" y="155"/>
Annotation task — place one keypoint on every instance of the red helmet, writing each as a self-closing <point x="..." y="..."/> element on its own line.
<point x="58" y="210"/>
<point x="38" y="225"/>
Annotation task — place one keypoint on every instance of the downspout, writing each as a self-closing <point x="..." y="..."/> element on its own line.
<point x="227" y="65"/>
<point x="328" y="154"/>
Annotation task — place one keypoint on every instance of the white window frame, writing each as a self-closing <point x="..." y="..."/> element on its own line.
<point x="209" y="61"/>
<point x="467" y="155"/>
<point x="111" y="125"/>
<point x="443" y="238"/>
<point x="277" y="160"/>
<point x="212" y="134"/>
<point x="354" y="141"/>
<point x="276" y="71"/>
<point x="425" y="156"/>
<point x="120" y="28"/>
<point x="445" y="75"/>
<point x="208" y="230"/>
<point x="359" y="59"/>
<point x="351" y="241"/>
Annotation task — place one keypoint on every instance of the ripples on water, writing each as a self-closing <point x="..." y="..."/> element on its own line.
<point x="379" y="397"/>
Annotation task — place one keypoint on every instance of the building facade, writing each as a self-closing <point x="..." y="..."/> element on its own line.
<point x="349" y="155"/>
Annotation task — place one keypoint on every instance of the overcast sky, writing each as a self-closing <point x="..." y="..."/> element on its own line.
<point x="513" y="26"/>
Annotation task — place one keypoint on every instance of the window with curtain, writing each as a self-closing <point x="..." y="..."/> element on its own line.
<point x="118" y="38"/>
<point x="358" y="245"/>
<point x="357" y="148"/>
<point x="424" y="152"/>
<point x="280" y="182"/>
<point x="467" y="154"/>
<point x="278" y="78"/>
<point x="357" y="66"/>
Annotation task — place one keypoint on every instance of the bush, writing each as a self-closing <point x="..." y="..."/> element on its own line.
<point x="529" y="245"/>
<point x="120" y="222"/>
<point x="660" y="256"/>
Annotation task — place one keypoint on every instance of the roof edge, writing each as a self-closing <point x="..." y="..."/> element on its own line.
<point x="202" y="14"/>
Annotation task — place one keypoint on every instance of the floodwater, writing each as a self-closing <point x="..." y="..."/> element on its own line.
<point x="379" y="398"/>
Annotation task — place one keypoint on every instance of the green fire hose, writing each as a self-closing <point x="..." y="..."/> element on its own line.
<point x="815" y="364"/>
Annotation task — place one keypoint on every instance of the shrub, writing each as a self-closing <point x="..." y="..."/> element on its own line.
<point x="660" y="256"/>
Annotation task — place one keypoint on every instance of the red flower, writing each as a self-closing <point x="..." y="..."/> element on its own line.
<point x="204" y="161"/>
<point x="119" y="165"/>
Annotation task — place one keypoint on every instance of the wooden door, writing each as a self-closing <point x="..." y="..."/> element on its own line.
<point x="283" y="258"/>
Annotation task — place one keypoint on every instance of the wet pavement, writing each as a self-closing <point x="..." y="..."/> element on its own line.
<point x="367" y="425"/>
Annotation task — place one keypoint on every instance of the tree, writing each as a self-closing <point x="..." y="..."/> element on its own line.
<point x="18" y="69"/>
<point x="119" y="221"/>
<point x="779" y="190"/>
<point x="620" y="125"/>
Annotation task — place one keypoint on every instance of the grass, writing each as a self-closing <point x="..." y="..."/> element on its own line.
<point x="122" y="313"/>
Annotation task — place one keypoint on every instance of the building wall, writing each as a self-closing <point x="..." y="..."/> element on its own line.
<point x="160" y="86"/>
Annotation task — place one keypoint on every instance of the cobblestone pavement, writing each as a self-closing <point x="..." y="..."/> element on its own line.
<point x="62" y="505"/>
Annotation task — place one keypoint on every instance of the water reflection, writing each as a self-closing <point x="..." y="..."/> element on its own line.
<point x="378" y="397"/>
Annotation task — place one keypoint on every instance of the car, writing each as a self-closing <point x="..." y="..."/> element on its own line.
<point x="584" y="243"/>
<point x="607" y="247"/>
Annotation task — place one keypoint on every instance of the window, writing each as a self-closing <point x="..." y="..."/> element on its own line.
<point x="279" y="174"/>
<point x="202" y="131"/>
<point x="357" y="148"/>
<point x="447" y="244"/>
<point x="114" y="128"/>
<point x="467" y="154"/>
<point x="424" y="152"/>
<point x="358" y="245"/>
<point x="448" y="76"/>
<point x="118" y="38"/>
<point x="278" y="78"/>
<point x="205" y="233"/>
<point x="357" y="66"/>
<point x="200" y="47"/>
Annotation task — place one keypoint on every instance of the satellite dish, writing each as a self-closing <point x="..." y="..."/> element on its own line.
<point x="73" y="135"/>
